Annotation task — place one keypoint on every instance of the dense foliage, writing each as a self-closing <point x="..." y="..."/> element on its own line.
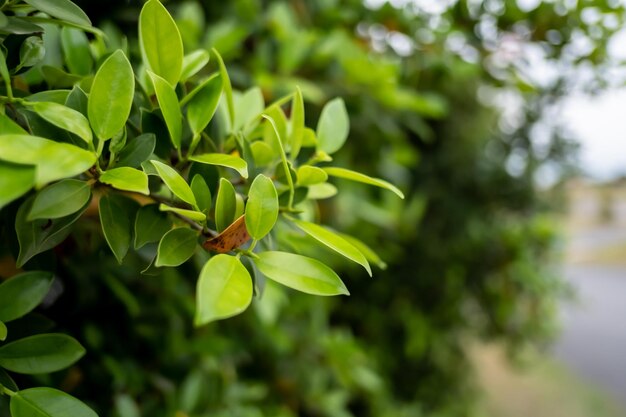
<point x="468" y="251"/>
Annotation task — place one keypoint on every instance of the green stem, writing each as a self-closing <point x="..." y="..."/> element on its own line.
<point x="4" y="390"/>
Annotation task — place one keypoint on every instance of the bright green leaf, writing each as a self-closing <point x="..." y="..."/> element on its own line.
<point x="20" y="294"/>
<point x="228" y="89"/>
<point x="111" y="96"/>
<point x="194" y="62"/>
<point x="202" y="192"/>
<point x="262" y="207"/>
<point x="40" y="354"/>
<point x="63" y="117"/>
<point x="202" y="105"/>
<point x="368" y="252"/>
<point x="15" y="180"/>
<point x="168" y="102"/>
<point x="8" y="126"/>
<point x="262" y="153"/>
<point x="48" y="402"/>
<point x="175" y="182"/>
<point x="116" y="213"/>
<point x="150" y="225"/>
<point x="176" y="247"/>
<point x="225" y="205"/>
<point x="225" y="160"/>
<point x="53" y="160"/>
<point x="77" y="51"/>
<point x="60" y="199"/>
<point x="309" y="175"/>
<point x="3" y="331"/>
<point x="248" y="106"/>
<point x="127" y="179"/>
<point x="224" y="289"/>
<point x="297" y="124"/>
<point x="192" y="214"/>
<point x="333" y="241"/>
<point x="357" y="176"/>
<point x="300" y="273"/>
<point x="333" y="126"/>
<point x="62" y="9"/>
<point x="321" y="191"/>
<point x="160" y="42"/>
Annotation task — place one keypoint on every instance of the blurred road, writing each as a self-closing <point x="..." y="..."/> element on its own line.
<point x="593" y="341"/>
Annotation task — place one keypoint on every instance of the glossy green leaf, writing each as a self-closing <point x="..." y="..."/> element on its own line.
<point x="193" y="63"/>
<point x="63" y="117"/>
<point x="368" y="252"/>
<point x="137" y="150"/>
<point x="262" y="153"/>
<point x="48" y="402"/>
<point x="357" y="176"/>
<point x="225" y="205"/>
<point x="176" y="247"/>
<point x="175" y="182"/>
<point x="225" y="160"/>
<point x="15" y="181"/>
<point x="116" y="213"/>
<point x="77" y="51"/>
<point x="150" y="225"/>
<point x="40" y="235"/>
<point x="202" y="193"/>
<point x="297" y="124"/>
<point x="40" y="354"/>
<point x="228" y="89"/>
<point x="53" y="160"/>
<point x="278" y="129"/>
<point x="333" y="241"/>
<point x="333" y="126"/>
<point x="62" y="9"/>
<point x="321" y="191"/>
<point x="20" y="294"/>
<point x="262" y="207"/>
<point x="248" y="106"/>
<point x="160" y="42"/>
<point x="300" y="273"/>
<point x="3" y="331"/>
<point x="111" y="96"/>
<point x="60" y="199"/>
<point x="201" y="107"/>
<point x="168" y="102"/>
<point x="309" y="175"/>
<point x="224" y="289"/>
<point x="8" y="126"/>
<point x="192" y="214"/>
<point x="127" y="179"/>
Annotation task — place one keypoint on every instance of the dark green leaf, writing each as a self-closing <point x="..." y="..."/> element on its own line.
<point x="62" y="9"/>
<point x="77" y="51"/>
<point x="150" y="225"/>
<point x="60" y="199"/>
<point x="202" y="105"/>
<point x="22" y="293"/>
<point x="168" y="102"/>
<point x="48" y="402"/>
<point x="116" y="213"/>
<point x="40" y="354"/>
<point x="137" y="150"/>
<point x="3" y="331"/>
<point x="176" y="247"/>
<point x="32" y="51"/>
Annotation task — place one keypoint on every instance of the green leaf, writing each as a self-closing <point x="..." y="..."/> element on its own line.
<point x="224" y="289"/>
<point x="175" y="182"/>
<point x="176" y="247"/>
<point x="116" y="213"/>
<point x="228" y="89"/>
<point x="111" y="96"/>
<point x="150" y="225"/>
<point x="22" y="293"/>
<point x="202" y="193"/>
<point x="225" y="205"/>
<point x="168" y="102"/>
<point x="262" y="153"/>
<point x="309" y="175"/>
<point x="297" y="124"/>
<point x="32" y="51"/>
<point x="127" y="179"/>
<point x="225" y="160"/>
<point x="358" y="177"/>
<point x="193" y="63"/>
<point x="321" y="191"/>
<point x="137" y="150"/>
<point x="40" y="235"/>
<point x="60" y="199"/>
<point x="40" y="354"/>
<point x="77" y="51"/>
<point x="202" y="105"/>
<point x="333" y="126"/>
<point x="160" y="42"/>
<point x="53" y="160"/>
<point x="283" y="157"/>
<point x="15" y="181"/>
<point x="262" y="207"/>
<point x="8" y="126"/>
<point x="7" y="382"/>
<point x="3" y="331"/>
<point x="368" y="252"/>
<point x="192" y="214"/>
<point x="62" y="9"/>
<point x="248" y="106"/>
<point x="63" y="117"/>
<point x="48" y="402"/>
<point x="300" y="273"/>
<point x="333" y="241"/>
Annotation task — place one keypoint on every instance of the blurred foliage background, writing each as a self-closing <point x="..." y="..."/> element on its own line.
<point x="451" y="101"/>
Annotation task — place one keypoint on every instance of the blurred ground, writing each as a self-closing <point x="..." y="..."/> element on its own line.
<point x="586" y="376"/>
